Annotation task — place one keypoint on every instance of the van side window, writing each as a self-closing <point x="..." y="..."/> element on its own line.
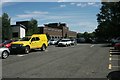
<point x="33" y="39"/>
<point x="37" y="39"/>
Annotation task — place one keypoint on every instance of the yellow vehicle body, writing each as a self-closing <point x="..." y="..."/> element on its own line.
<point x="34" y="42"/>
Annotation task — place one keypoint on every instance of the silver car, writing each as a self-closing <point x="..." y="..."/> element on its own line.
<point x="4" y="53"/>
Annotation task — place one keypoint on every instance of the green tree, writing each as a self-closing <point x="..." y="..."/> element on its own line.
<point x="0" y="29"/>
<point x="33" y="27"/>
<point x="108" y="20"/>
<point x="79" y="35"/>
<point x="86" y="35"/>
<point x="6" y="28"/>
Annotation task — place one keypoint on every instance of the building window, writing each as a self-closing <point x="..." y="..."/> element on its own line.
<point x="15" y="34"/>
<point x="49" y="29"/>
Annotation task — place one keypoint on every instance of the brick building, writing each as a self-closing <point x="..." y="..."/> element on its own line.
<point x="54" y="30"/>
<point x="57" y="30"/>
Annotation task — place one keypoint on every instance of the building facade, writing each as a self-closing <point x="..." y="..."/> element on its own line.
<point x="57" y="30"/>
<point x="18" y="31"/>
<point x="54" y="30"/>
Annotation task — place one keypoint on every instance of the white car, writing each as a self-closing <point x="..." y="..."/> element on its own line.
<point x="4" y="53"/>
<point x="53" y="41"/>
<point x="65" y="42"/>
<point x="73" y="41"/>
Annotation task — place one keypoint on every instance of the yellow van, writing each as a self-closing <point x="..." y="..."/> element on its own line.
<point x="36" y="41"/>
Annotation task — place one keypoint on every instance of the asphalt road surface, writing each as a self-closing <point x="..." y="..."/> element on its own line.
<point x="80" y="61"/>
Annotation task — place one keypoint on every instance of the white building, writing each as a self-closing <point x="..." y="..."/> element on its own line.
<point x="18" y="31"/>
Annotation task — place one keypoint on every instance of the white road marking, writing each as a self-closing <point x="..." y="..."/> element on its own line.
<point x="92" y="45"/>
<point x="20" y="55"/>
<point x="116" y="66"/>
<point x="46" y="50"/>
<point x="116" y="59"/>
<point x="110" y="55"/>
<point x="110" y="66"/>
<point x="72" y="46"/>
<point x="110" y="59"/>
<point x="114" y="52"/>
<point x="111" y="48"/>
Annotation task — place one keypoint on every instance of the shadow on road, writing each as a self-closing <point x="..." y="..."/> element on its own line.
<point x="114" y="75"/>
<point x="106" y="45"/>
<point x="33" y="50"/>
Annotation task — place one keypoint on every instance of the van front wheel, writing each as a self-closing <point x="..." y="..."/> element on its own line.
<point x="43" y="48"/>
<point x="27" y="49"/>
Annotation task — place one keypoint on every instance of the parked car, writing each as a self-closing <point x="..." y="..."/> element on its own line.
<point x="6" y="43"/>
<point x="115" y="40"/>
<point x="4" y="53"/>
<point x="88" y="40"/>
<point x="58" y="41"/>
<point x="73" y="41"/>
<point x="48" y="42"/>
<point x="53" y="41"/>
<point x="117" y="46"/>
<point x="65" y="42"/>
<point x="36" y="41"/>
<point x="80" y="40"/>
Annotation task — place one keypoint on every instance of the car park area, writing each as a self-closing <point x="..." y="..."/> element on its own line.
<point x="75" y="61"/>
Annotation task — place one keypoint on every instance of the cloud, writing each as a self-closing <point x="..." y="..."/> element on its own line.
<point x="83" y="26"/>
<point x="33" y="14"/>
<point x="57" y="0"/>
<point x="56" y="17"/>
<point x="30" y="0"/>
<point x="91" y="3"/>
<point x="62" y="6"/>
<point x="39" y="15"/>
<point x="60" y="1"/>
<point x="72" y="3"/>
<point x="81" y="5"/>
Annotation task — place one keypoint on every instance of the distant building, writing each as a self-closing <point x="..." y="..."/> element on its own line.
<point x="54" y="30"/>
<point x="18" y="31"/>
<point x="57" y="30"/>
<point x="25" y="23"/>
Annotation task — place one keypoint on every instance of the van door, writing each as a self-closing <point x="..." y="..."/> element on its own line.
<point x="38" y="42"/>
<point x="33" y="42"/>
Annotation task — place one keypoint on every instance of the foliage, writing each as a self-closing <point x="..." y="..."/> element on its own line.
<point x="108" y="20"/>
<point x="32" y="29"/>
<point x="86" y="35"/>
<point x="6" y="28"/>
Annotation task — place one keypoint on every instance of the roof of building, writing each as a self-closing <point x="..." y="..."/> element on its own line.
<point x="20" y="25"/>
<point x="56" y="25"/>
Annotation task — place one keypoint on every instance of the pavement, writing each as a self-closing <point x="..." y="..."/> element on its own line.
<point x="79" y="61"/>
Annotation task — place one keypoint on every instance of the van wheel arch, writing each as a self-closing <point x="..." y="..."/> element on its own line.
<point x="27" y="49"/>
<point x="43" y="48"/>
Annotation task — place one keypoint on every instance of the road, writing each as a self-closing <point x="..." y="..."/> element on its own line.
<point x="80" y="61"/>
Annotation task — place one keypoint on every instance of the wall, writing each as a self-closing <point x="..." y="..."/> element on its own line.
<point x="16" y="29"/>
<point x="22" y="32"/>
<point x="57" y="30"/>
<point x="53" y="32"/>
<point x="72" y="34"/>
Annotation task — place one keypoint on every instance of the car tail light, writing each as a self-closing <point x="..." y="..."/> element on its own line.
<point x="7" y="45"/>
<point x="117" y="44"/>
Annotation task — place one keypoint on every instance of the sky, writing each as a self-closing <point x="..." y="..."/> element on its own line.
<point x="79" y="16"/>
